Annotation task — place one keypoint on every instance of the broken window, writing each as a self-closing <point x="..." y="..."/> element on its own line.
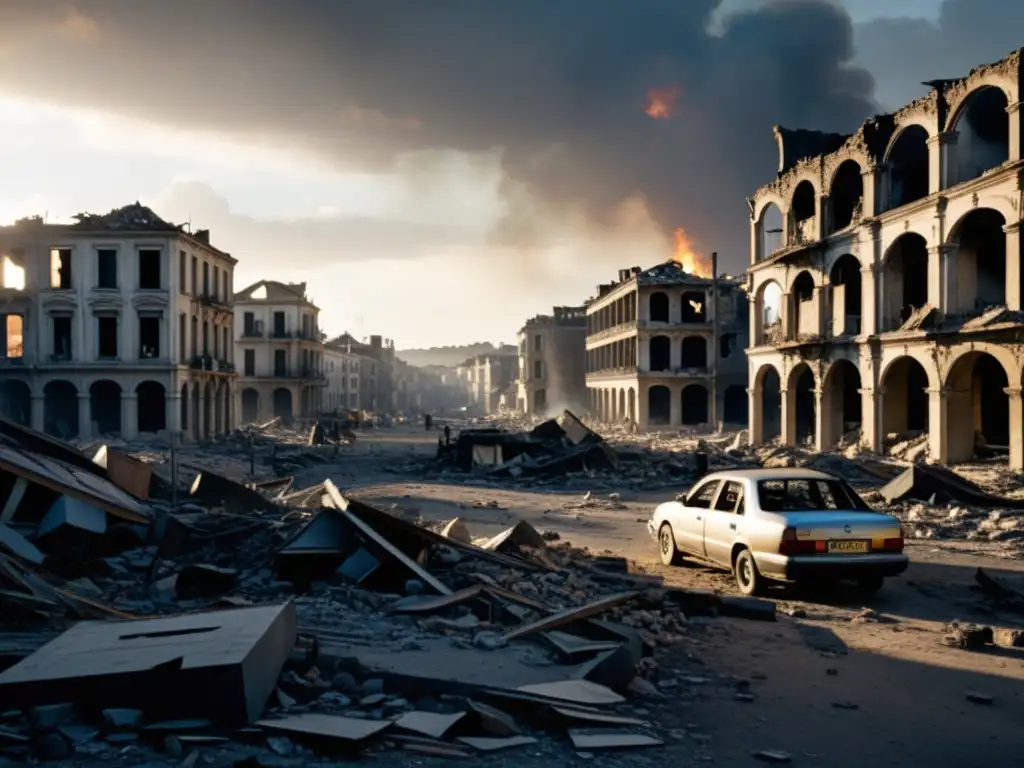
<point x="727" y="344"/>
<point x="661" y="353"/>
<point x="982" y="135"/>
<point x="62" y="337"/>
<point x="694" y="405"/>
<point x="659" y="405"/>
<point x="13" y="327"/>
<point x="280" y="363"/>
<point x="537" y="341"/>
<point x="540" y="400"/>
<point x="249" y="324"/>
<point x="250" y="362"/>
<point x="908" y="167"/>
<point x="694" y="352"/>
<point x="60" y="269"/>
<point x="846" y="296"/>
<point x="279" y="331"/>
<point x="659" y="307"/>
<point x="694" y="310"/>
<point x="107" y="332"/>
<point x="106" y="259"/>
<point x="846" y="198"/>
<point x="149" y="270"/>
<point x="802" y="209"/>
<point x="149" y="337"/>
<point x="538" y="369"/>
<point x="770" y="231"/>
<point x="12" y="276"/>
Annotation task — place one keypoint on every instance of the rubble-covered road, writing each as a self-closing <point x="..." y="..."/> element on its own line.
<point x="440" y="614"/>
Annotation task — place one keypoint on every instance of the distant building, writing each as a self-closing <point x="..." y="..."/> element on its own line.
<point x="342" y="368"/>
<point x="552" y="370"/>
<point x="279" y="344"/>
<point x="376" y="366"/>
<point x="663" y="351"/>
<point x="120" y="324"/>
<point x="485" y="378"/>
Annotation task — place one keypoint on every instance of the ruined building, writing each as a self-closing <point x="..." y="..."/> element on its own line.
<point x="486" y="379"/>
<point x="281" y="352"/>
<point x="117" y="324"/>
<point x="665" y="349"/>
<point x="375" y="369"/>
<point x="553" y="362"/>
<point x="886" y="277"/>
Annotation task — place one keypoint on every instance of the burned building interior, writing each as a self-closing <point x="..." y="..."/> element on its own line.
<point x="887" y="280"/>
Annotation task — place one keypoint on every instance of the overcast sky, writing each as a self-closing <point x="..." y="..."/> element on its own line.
<point x="438" y="172"/>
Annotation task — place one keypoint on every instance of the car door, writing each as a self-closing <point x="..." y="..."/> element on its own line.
<point x="722" y="522"/>
<point x="693" y="510"/>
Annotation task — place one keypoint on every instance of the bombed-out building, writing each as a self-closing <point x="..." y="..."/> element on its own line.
<point x="553" y="362"/>
<point x="665" y="348"/>
<point x="281" y="350"/>
<point x="119" y="324"/>
<point x="886" y="279"/>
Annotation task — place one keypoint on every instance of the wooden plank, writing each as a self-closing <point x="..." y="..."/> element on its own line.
<point x="571" y="614"/>
<point x="341" y="504"/>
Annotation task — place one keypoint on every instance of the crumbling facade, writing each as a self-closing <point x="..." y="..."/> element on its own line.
<point x="118" y="324"/>
<point x="885" y="277"/>
<point x="664" y="349"/>
<point x="485" y="378"/>
<point x="553" y="362"/>
<point x="341" y="366"/>
<point x="280" y="350"/>
<point x="376" y="370"/>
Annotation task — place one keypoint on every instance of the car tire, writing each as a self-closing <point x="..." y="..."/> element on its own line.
<point x="667" y="548"/>
<point x="870" y="584"/>
<point x="744" y="569"/>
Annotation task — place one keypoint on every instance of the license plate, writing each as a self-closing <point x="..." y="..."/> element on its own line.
<point x="849" y="546"/>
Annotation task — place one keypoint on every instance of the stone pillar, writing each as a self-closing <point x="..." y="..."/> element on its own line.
<point x="36" y="419"/>
<point x="675" y="406"/>
<point x="641" y="406"/>
<point x="755" y="241"/>
<point x="755" y="416"/>
<point x="938" y="417"/>
<point x="1016" y="428"/>
<point x="786" y="315"/>
<point x="823" y="437"/>
<point x="941" y="171"/>
<point x="871" y="419"/>
<point x="788" y="417"/>
<point x="942" y="278"/>
<point x="174" y="411"/>
<point x="84" y="416"/>
<point x="1013" y="266"/>
<point x="870" y="183"/>
<point x="1016" y="132"/>
<point x="869" y="300"/>
<point x="201" y="415"/>
<point x="129" y="415"/>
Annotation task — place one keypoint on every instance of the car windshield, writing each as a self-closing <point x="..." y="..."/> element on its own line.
<point x="804" y="495"/>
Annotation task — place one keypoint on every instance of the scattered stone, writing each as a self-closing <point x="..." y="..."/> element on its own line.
<point x="773" y="756"/>
<point x="845" y="705"/>
<point x="979" y="698"/>
<point x="744" y="697"/>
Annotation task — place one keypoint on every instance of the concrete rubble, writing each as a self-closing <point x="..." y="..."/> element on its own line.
<point x="147" y="618"/>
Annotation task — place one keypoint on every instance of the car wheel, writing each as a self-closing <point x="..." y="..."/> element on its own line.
<point x="870" y="583"/>
<point x="667" y="546"/>
<point x="745" y="571"/>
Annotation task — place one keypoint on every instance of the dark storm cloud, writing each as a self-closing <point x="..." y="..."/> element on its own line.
<point x="907" y="52"/>
<point x="559" y="86"/>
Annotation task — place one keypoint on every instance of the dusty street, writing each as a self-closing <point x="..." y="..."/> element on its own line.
<point x="832" y="684"/>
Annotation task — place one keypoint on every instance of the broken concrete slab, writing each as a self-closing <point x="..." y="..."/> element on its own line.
<point x="157" y="665"/>
<point x="614" y="669"/>
<point x="218" y="491"/>
<point x="575" y="691"/>
<point x="589" y="741"/>
<point x="456" y="529"/>
<point x="522" y="534"/>
<point x="126" y="472"/>
<point x="493" y="743"/>
<point x="568" y="615"/>
<point x="572" y="714"/>
<point x="923" y="482"/>
<point x="19" y="546"/>
<point x="65" y="479"/>
<point x="431" y="724"/>
<point x="348" y="729"/>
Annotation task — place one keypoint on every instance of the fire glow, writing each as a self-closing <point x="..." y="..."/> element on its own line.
<point x="661" y="102"/>
<point x="683" y="253"/>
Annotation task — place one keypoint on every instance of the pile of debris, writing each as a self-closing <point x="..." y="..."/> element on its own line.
<point x="310" y="622"/>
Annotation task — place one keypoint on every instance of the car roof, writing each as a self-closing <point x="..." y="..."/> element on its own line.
<point x="782" y="473"/>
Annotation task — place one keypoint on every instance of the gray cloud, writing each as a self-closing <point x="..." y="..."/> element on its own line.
<point x="559" y="87"/>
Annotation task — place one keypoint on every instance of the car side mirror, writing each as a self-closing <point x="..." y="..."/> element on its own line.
<point x="681" y="498"/>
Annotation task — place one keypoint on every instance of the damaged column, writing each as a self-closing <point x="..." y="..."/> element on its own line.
<point x="871" y="419"/>
<point x="84" y="416"/>
<point x="1016" y="428"/>
<point x="1013" y="266"/>
<point x="938" y="420"/>
<point x="129" y="415"/>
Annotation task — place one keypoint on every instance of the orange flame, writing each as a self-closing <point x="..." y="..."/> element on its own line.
<point x="691" y="261"/>
<point x="661" y="102"/>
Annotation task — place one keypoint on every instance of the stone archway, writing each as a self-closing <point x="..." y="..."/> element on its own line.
<point x="840" y="403"/>
<point x="694" y="405"/>
<point x="151" y="401"/>
<point x="801" y="411"/>
<point x="250" y="405"/>
<point x="904" y="398"/>
<point x="60" y="409"/>
<point x="766" y="420"/>
<point x="16" y="402"/>
<point x="105" y="406"/>
<point x="977" y="408"/>
<point x="282" y="401"/>
<point x="659" y="405"/>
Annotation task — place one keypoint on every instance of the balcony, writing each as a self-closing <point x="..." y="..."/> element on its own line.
<point x="252" y="333"/>
<point x="212" y="364"/>
<point x="214" y="301"/>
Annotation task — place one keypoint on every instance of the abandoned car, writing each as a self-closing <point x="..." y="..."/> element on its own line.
<point x="780" y="525"/>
